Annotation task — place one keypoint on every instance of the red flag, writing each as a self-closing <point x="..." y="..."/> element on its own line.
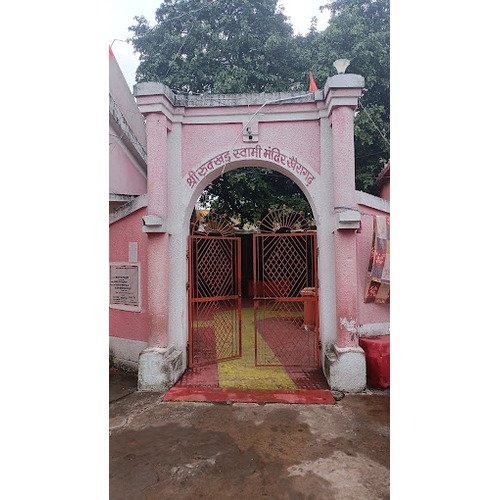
<point x="110" y="52"/>
<point x="312" y="83"/>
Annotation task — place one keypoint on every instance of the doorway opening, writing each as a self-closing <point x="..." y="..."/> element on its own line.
<point x="253" y="302"/>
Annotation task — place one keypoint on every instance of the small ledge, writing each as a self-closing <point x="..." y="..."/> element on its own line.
<point x="368" y="200"/>
<point x="225" y="100"/>
<point x="344" y="81"/>
<point x="132" y="206"/>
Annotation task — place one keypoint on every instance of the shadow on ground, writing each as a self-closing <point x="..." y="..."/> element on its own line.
<point x="184" y="450"/>
<point x="121" y="384"/>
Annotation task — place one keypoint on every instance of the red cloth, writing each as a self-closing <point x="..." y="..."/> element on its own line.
<point x="378" y="278"/>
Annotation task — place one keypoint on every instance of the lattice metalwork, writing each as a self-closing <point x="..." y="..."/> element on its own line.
<point x="214" y="299"/>
<point x="282" y="339"/>
<point x="284" y="220"/>
<point x="284" y="264"/>
<point x="215" y="273"/>
<point x="213" y="224"/>
<point x="215" y="331"/>
<point x="285" y="300"/>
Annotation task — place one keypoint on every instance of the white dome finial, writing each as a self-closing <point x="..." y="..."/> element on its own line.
<point x="341" y="65"/>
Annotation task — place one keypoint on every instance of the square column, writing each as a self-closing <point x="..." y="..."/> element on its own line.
<point x="160" y="365"/>
<point x="345" y="365"/>
<point x="156" y="133"/>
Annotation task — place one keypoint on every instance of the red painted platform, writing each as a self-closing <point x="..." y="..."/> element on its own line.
<point x="220" y="395"/>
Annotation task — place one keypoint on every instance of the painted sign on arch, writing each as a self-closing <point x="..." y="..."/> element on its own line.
<point x="256" y="152"/>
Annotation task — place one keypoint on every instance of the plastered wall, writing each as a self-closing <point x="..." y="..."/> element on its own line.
<point x="371" y="312"/>
<point x="127" y="324"/>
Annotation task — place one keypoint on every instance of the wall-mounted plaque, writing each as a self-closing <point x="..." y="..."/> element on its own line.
<point x="124" y="286"/>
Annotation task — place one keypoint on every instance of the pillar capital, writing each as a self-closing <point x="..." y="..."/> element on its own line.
<point x="343" y="90"/>
<point x="155" y="98"/>
<point x="155" y="119"/>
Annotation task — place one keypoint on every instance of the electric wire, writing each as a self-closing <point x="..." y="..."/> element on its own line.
<point x="166" y="20"/>
<point x="374" y="124"/>
<point x="255" y="114"/>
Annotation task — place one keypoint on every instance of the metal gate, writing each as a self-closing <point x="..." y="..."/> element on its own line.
<point x="214" y="299"/>
<point x="285" y="299"/>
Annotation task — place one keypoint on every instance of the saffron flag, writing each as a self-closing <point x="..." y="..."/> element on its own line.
<point x="312" y="83"/>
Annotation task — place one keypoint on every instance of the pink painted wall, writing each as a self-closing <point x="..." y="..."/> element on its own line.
<point x="301" y="139"/>
<point x="385" y="192"/>
<point x="209" y="139"/>
<point x="124" y="177"/>
<point x="126" y="324"/>
<point x="367" y="313"/>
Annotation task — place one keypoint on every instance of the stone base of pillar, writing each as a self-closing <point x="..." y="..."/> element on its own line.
<point x="345" y="369"/>
<point x="159" y="368"/>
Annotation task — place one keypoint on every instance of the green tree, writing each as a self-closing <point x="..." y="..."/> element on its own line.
<point x="359" y="30"/>
<point x="222" y="46"/>
<point x="258" y="189"/>
<point x="236" y="46"/>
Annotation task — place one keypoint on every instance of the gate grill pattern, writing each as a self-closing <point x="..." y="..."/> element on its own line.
<point x="214" y="273"/>
<point x="214" y="299"/>
<point x="285" y="300"/>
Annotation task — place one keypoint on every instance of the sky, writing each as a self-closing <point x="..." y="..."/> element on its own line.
<point x="122" y="14"/>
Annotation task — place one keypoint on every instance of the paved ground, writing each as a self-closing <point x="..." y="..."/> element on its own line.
<point x="246" y="451"/>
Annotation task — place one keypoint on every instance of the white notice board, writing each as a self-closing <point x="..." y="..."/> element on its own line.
<point x="125" y="286"/>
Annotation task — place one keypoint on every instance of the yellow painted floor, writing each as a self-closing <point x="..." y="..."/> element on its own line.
<point x="242" y="373"/>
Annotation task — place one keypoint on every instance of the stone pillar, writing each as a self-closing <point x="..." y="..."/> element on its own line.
<point x="344" y="192"/>
<point x="156" y="133"/>
<point x="345" y="364"/>
<point x="160" y="364"/>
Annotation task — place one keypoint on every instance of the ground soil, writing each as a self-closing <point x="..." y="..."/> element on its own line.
<point x="179" y="450"/>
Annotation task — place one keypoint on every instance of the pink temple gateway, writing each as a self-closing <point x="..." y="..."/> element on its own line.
<point x="203" y="303"/>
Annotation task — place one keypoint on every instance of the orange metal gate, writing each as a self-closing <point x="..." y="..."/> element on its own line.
<point x="286" y="320"/>
<point x="214" y="299"/>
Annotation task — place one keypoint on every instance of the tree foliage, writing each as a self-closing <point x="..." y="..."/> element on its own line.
<point x="359" y="30"/>
<point x="222" y="46"/>
<point x="258" y="189"/>
<point x="236" y="46"/>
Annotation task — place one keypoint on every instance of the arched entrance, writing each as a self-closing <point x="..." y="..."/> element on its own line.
<point x="181" y="227"/>
<point x="189" y="144"/>
<point x="264" y="334"/>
